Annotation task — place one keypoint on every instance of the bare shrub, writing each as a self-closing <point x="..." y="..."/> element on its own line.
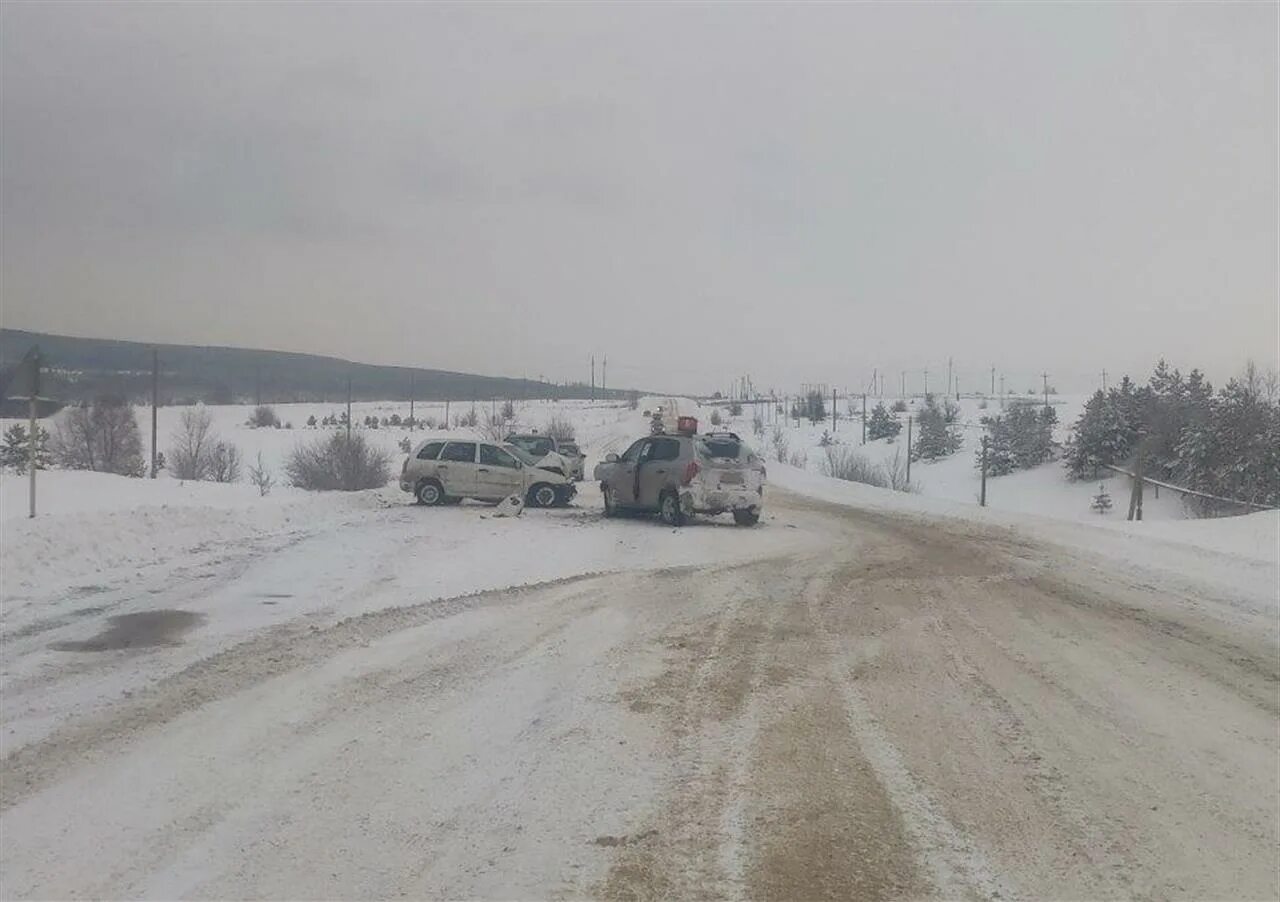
<point x="560" y="428"/>
<point x="735" y="409"/>
<point x="779" y="441"/>
<point x="101" y="436"/>
<point x="508" y="411"/>
<point x="895" y="473"/>
<point x="757" y="426"/>
<point x="633" y="401"/>
<point x="338" y="463"/>
<point x="799" y="458"/>
<point x="189" y="454"/>
<point x="260" y="477"/>
<point x="842" y="463"/>
<point x="495" y="428"/>
<point x="224" y="462"/>
<point x="466" y="420"/>
<point x="264" y="417"/>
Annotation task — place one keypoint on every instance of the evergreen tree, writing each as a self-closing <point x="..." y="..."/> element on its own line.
<point x="16" y="450"/>
<point x="1102" y="500"/>
<point x="881" y="425"/>
<point x="936" y="437"/>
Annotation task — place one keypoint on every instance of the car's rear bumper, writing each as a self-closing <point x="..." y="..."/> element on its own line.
<point x="701" y="500"/>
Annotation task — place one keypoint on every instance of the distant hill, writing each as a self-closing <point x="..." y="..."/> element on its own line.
<point x="83" y="368"/>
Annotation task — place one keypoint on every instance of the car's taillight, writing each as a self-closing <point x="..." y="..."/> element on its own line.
<point x="690" y="472"/>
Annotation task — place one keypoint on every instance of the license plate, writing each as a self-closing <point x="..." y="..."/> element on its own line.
<point x="731" y="478"/>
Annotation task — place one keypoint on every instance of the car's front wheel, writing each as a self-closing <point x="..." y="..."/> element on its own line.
<point x="542" y="495"/>
<point x="610" y="501"/>
<point x="430" y="493"/>
<point x="746" y="517"/>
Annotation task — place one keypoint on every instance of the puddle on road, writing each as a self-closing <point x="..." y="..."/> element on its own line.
<point x="146" y="629"/>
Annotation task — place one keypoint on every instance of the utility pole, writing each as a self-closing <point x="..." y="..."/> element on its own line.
<point x="1045" y="376"/>
<point x="833" y="411"/>
<point x="257" y="385"/>
<point x="593" y="377"/>
<point x="604" y="378"/>
<point x="908" y="449"/>
<point x="864" y="418"/>
<point x="926" y="383"/>
<point x="155" y="392"/>
<point x="948" y="375"/>
<point x="1002" y="390"/>
<point x="902" y="391"/>
<point x="348" y="406"/>
<point x="982" y="498"/>
<point x="411" y="420"/>
<point x="1104" y="380"/>
<point x="993" y="380"/>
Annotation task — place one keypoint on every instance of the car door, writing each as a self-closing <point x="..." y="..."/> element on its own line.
<point x="457" y="469"/>
<point x="498" y="473"/>
<point x="657" y="469"/>
<point x="622" y="476"/>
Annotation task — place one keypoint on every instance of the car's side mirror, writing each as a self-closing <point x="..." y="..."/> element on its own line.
<point x="611" y="458"/>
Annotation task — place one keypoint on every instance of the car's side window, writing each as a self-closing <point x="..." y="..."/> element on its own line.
<point x="663" y="449"/>
<point x="494" y="456"/>
<point x="632" y="454"/>
<point x="430" y="451"/>
<point x="460" y="452"/>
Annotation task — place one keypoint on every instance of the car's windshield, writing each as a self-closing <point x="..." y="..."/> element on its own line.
<point x="538" y="445"/>
<point x="520" y="453"/>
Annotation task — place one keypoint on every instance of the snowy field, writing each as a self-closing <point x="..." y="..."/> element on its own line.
<point x="157" y="634"/>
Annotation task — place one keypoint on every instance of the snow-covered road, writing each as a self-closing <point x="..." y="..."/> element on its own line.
<point x="842" y="703"/>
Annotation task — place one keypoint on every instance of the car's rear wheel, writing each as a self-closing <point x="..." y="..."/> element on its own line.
<point x="542" y="495"/>
<point x="746" y="517"/>
<point x="431" y="493"/>
<point x="669" y="509"/>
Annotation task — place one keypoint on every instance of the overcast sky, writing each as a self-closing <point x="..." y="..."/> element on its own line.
<point x="800" y="193"/>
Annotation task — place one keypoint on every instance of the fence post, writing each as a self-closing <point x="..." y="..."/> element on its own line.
<point x="32" y="445"/>
<point x="155" y="392"/>
<point x="982" y="499"/>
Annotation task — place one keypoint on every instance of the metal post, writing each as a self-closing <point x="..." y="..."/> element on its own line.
<point x="348" y="407"/>
<point x="155" y="392"/>
<point x="32" y="445"/>
<point x="908" y="449"/>
<point x="982" y="499"/>
<point x="833" y="411"/>
<point x="864" y="418"/>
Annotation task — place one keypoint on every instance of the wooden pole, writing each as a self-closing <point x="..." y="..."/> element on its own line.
<point x="908" y="449"/>
<point x="348" y="406"/>
<point x="864" y="418"/>
<point x="32" y="444"/>
<point x="411" y="420"/>
<point x="155" y="395"/>
<point x="982" y="499"/>
<point x="833" y="411"/>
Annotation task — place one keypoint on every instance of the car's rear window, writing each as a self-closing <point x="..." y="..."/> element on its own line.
<point x="430" y="451"/>
<point x="569" y="449"/>
<point x="722" y="447"/>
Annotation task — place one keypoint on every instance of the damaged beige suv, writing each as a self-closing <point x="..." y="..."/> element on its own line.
<point x="446" y="470"/>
